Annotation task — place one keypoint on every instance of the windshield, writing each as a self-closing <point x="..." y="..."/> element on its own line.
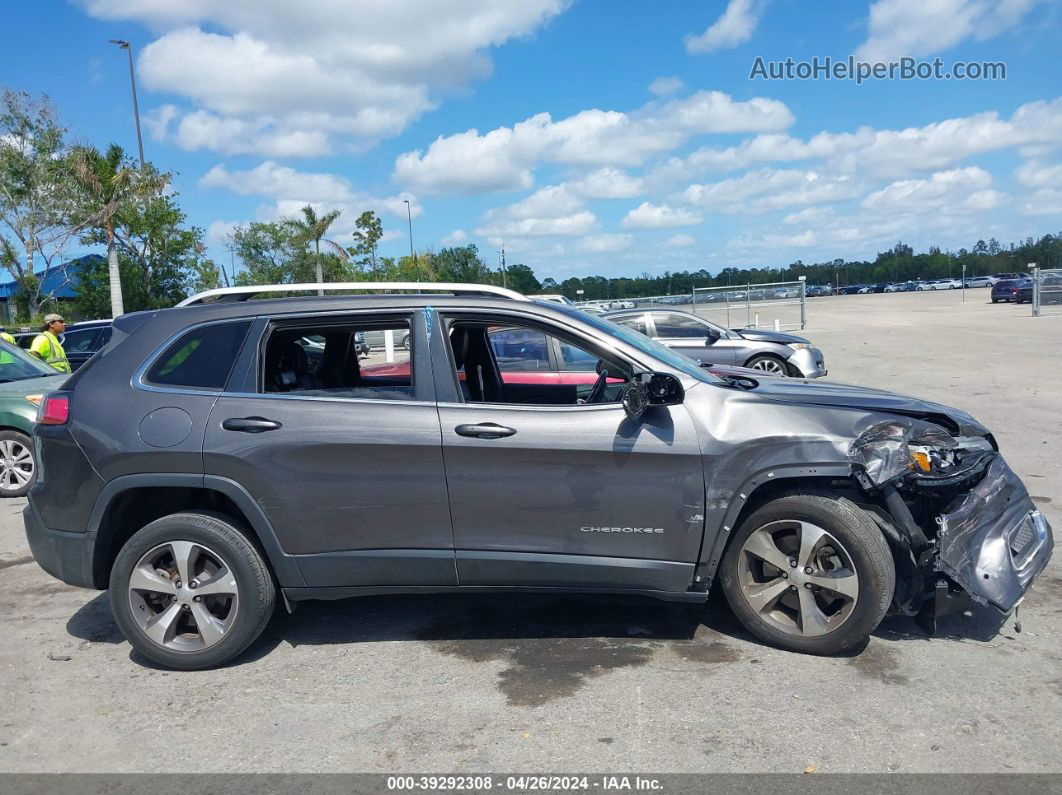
<point x="17" y="365"/>
<point x="646" y="345"/>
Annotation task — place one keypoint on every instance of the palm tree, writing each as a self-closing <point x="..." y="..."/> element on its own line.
<point x="314" y="227"/>
<point x="108" y="181"/>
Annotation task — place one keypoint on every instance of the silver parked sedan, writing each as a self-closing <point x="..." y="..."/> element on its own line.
<point x="771" y="352"/>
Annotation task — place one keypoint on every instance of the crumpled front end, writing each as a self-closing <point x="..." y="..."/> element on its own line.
<point x="995" y="542"/>
<point x="961" y="511"/>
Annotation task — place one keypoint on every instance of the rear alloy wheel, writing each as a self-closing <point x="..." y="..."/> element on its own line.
<point x="766" y="363"/>
<point x="809" y="573"/>
<point x="190" y="591"/>
<point x="18" y="465"/>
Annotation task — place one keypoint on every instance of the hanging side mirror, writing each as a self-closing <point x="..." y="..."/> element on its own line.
<point x="651" y="389"/>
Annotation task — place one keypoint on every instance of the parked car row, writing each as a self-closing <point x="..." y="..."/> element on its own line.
<point x="924" y="285"/>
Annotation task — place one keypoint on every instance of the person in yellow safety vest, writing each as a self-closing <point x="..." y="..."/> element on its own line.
<point x="5" y="357"/>
<point x="46" y="345"/>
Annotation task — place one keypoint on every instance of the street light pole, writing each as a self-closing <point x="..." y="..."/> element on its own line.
<point x="412" y="253"/>
<point x="136" y="108"/>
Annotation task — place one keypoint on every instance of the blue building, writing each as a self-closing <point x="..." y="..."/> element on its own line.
<point x="59" y="282"/>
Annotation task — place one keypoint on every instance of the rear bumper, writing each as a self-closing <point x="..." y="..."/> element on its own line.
<point x="65" y="556"/>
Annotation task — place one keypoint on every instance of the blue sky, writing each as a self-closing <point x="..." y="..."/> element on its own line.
<point x="593" y="136"/>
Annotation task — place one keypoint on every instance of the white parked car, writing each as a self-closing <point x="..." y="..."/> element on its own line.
<point x="895" y="288"/>
<point x="980" y="281"/>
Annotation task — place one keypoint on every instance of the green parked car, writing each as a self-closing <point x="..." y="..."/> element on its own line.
<point x="24" y="380"/>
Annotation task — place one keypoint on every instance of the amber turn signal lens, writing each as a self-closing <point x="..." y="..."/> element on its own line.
<point x="920" y="460"/>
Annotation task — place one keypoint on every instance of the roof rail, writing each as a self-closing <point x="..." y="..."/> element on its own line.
<point x="245" y="293"/>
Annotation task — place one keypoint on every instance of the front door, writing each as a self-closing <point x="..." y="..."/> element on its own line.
<point x="689" y="336"/>
<point x="555" y="486"/>
<point x="341" y="451"/>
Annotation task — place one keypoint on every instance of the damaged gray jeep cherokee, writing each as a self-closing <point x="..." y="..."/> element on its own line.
<point x="225" y="452"/>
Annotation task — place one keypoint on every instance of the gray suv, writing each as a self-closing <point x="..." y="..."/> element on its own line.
<point x="203" y="466"/>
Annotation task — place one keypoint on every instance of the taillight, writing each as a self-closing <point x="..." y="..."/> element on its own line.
<point x="55" y="410"/>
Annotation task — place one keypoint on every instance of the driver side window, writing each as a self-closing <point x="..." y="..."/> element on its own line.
<point x="525" y="365"/>
<point x="670" y="326"/>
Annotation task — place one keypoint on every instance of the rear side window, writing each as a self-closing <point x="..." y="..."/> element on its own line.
<point x="200" y="359"/>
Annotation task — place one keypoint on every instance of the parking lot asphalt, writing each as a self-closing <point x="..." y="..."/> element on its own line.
<point x="552" y="683"/>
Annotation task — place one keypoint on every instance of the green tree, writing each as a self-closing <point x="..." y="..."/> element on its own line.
<point x="109" y="184"/>
<point x="461" y="264"/>
<point x="160" y="257"/>
<point x="368" y="229"/>
<point x="35" y="194"/>
<point x="314" y="227"/>
<point x="522" y="279"/>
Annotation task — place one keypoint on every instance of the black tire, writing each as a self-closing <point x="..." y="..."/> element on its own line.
<point x="995" y="300"/>
<point x="757" y="363"/>
<point x="405" y="342"/>
<point x="871" y="559"/>
<point x="257" y="593"/>
<point x="19" y="444"/>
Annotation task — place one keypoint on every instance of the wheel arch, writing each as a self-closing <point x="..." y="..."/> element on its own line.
<point x="128" y="503"/>
<point x="759" y="488"/>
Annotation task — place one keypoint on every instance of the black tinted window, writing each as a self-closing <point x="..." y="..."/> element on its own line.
<point x="80" y="341"/>
<point x="202" y="358"/>
<point x="679" y="326"/>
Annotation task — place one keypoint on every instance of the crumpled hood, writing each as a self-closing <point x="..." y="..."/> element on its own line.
<point x="762" y="335"/>
<point x="818" y="393"/>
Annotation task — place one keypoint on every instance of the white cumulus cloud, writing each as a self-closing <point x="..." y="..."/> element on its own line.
<point x="734" y="27"/>
<point x="505" y="158"/>
<point x="898" y="28"/>
<point x="279" y="80"/>
<point x="663" y="86"/>
<point x="659" y="216"/>
<point x="960" y="190"/>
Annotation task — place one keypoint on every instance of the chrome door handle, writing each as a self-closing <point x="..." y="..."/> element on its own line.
<point x="250" y="424"/>
<point x="484" y="430"/>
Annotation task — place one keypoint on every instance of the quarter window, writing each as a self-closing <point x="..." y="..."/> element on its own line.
<point x="200" y="359"/>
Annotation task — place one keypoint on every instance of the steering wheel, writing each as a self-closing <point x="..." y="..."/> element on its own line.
<point x="598" y="391"/>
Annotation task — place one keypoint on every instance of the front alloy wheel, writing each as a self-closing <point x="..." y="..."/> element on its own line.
<point x="798" y="578"/>
<point x="771" y="365"/>
<point x="809" y="572"/>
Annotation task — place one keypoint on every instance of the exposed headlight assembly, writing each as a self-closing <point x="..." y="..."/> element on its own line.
<point x="799" y="346"/>
<point x="926" y="452"/>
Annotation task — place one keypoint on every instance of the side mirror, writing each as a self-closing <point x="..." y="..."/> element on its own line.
<point x="713" y="336"/>
<point x="651" y="389"/>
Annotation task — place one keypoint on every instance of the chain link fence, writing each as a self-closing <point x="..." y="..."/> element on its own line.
<point x="777" y="305"/>
<point x="1046" y="291"/>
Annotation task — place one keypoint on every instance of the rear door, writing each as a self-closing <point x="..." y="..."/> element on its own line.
<point x="568" y="495"/>
<point x="342" y="452"/>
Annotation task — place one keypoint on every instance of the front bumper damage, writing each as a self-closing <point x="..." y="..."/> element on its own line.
<point x="809" y="362"/>
<point x="995" y="542"/>
<point x="967" y="522"/>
